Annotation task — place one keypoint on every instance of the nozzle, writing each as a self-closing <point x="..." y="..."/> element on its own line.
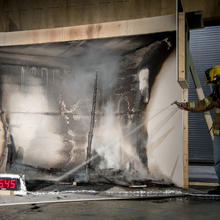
<point x="178" y="104"/>
<point x="175" y="102"/>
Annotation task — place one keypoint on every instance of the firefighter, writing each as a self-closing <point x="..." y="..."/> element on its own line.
<point x="212" y="101"/>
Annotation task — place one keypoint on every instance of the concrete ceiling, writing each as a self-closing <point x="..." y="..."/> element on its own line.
<point x="17" y="15"/>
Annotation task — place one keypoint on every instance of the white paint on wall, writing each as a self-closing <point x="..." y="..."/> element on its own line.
<point x="143" y="76"/>
<point x="164" y="126"/>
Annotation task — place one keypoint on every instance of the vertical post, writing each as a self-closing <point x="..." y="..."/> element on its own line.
<point x="3" y="137"/>
<point x="182" y="50"/>
<point x="183" y="81"/>
<point x="92" y="123"/>
<point x="4" y="142"/>
<point x="185" y="143"/>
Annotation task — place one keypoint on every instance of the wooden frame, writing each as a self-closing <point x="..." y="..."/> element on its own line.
<point x="183" y="81"/>
<point x="108" y="30"/>
<point x="91" y="31"/>
<point x="185" y="142"/>
<point x="186" y="65"/>
<point x="203" y="184"/>
<point x="182" y="50"/>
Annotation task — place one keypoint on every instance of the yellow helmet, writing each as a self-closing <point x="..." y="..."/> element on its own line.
<point x="213" y="74"/>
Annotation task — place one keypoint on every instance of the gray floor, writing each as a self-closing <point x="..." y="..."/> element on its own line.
<point x="89" y="193"/>
<point x="181" y="209"/>
<point x="111" y="202"/>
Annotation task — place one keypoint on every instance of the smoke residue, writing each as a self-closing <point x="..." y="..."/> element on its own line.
<point x="54" y="129"/>
<point x="30" y="128"/>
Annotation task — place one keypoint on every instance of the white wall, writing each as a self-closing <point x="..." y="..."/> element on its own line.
<point x="164" y="126"/>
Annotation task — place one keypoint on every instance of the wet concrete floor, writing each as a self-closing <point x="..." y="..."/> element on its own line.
<point x="175" y="208"/>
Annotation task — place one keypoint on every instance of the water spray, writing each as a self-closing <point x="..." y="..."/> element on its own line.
<point x="89" y="160"/>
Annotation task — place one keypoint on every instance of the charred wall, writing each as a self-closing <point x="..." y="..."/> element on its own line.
<point x="60" y="118"/>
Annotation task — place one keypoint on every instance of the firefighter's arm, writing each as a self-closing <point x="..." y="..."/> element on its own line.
<point x="197" y="106"/>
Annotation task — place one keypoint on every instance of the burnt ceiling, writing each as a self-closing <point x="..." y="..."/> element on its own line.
<point x="61" y="55"/>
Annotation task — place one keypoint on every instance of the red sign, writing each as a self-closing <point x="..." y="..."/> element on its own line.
<point x="8" y="183"/>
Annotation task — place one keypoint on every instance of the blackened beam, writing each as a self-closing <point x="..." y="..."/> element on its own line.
<point x="23" y="59"/>
<point x="41" y="169"/>
<point x="92" y="123"/>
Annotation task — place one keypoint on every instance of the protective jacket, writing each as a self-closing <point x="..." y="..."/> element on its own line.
<point x="206" y="104"/>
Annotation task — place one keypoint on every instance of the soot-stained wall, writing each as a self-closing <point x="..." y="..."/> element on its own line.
<point x="96" y="112"/>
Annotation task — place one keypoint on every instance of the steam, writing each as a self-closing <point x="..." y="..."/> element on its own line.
<point x="97" y="59"/>
<point x="31" y="130"/>
<point x="112" y="145"/>
<point x="76" y="93"/>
